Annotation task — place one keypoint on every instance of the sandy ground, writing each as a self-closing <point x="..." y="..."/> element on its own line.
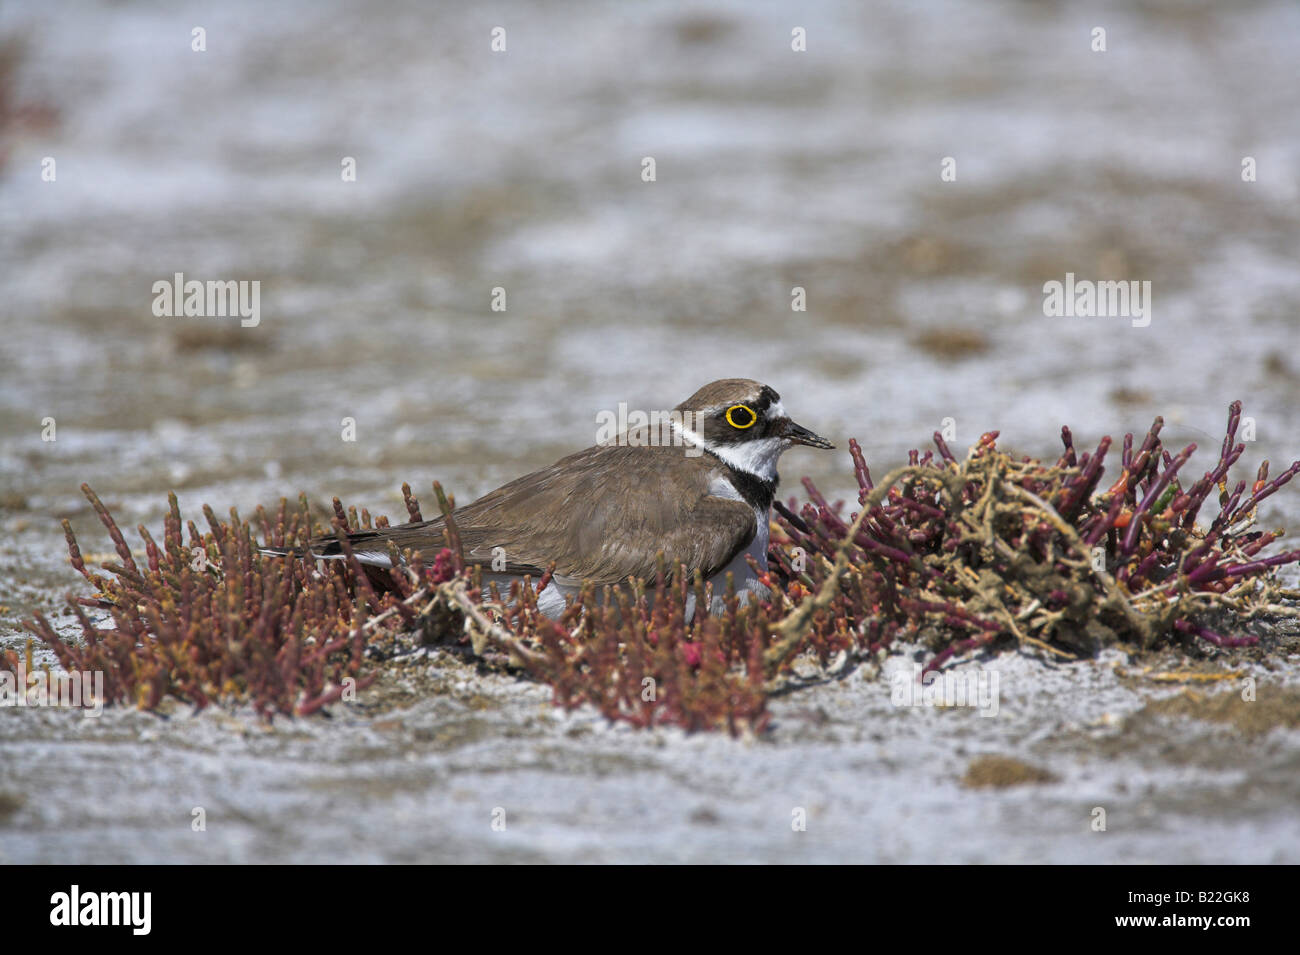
<point x="424" y="764"/>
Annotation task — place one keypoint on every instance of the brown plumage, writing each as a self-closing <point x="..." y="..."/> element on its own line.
<point x="605" y="513"/>
<point x="600" y="515"/>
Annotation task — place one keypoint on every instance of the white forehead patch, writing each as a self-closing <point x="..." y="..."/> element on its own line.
<point x="775" y="410"/>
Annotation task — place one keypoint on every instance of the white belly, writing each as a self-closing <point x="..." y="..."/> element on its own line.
<point x="550" y="601"/>
<point x="553" y="599"/>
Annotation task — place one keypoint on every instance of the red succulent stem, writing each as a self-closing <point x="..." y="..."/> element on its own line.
<point x="1153" y="495"/>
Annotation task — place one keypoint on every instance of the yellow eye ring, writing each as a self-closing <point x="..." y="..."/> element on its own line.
<point x="736" y="424"/>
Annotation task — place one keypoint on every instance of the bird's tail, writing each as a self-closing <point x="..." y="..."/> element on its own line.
<point x="368" y="546"/>
<point x="374" y="565"/>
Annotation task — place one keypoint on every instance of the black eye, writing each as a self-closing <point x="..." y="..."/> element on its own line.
<point x="741" y="416"/>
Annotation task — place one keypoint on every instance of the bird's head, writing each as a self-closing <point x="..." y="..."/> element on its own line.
<point x="744" y="423"/>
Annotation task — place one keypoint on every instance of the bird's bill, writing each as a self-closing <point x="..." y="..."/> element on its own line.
<point x="798" y="434"/>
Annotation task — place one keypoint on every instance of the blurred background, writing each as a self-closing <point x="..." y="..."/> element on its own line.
<point x="522" y="170"/>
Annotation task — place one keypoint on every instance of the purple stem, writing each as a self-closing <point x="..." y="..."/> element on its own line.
<point x="943" y="448"/>
<point x="1218" y="639"/>
<point x="1255" y="566"/>
<point x="1112" y="514"/>
<point x="1130" y="538"/>
<point x="1265" y="491"/>
<point x="1067" y="439"/>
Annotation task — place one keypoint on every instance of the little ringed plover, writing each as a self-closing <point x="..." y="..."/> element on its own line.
<point x="604" y="514"/>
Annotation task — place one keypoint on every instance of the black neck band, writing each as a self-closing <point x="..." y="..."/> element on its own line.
<point x="757" y="492"/>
